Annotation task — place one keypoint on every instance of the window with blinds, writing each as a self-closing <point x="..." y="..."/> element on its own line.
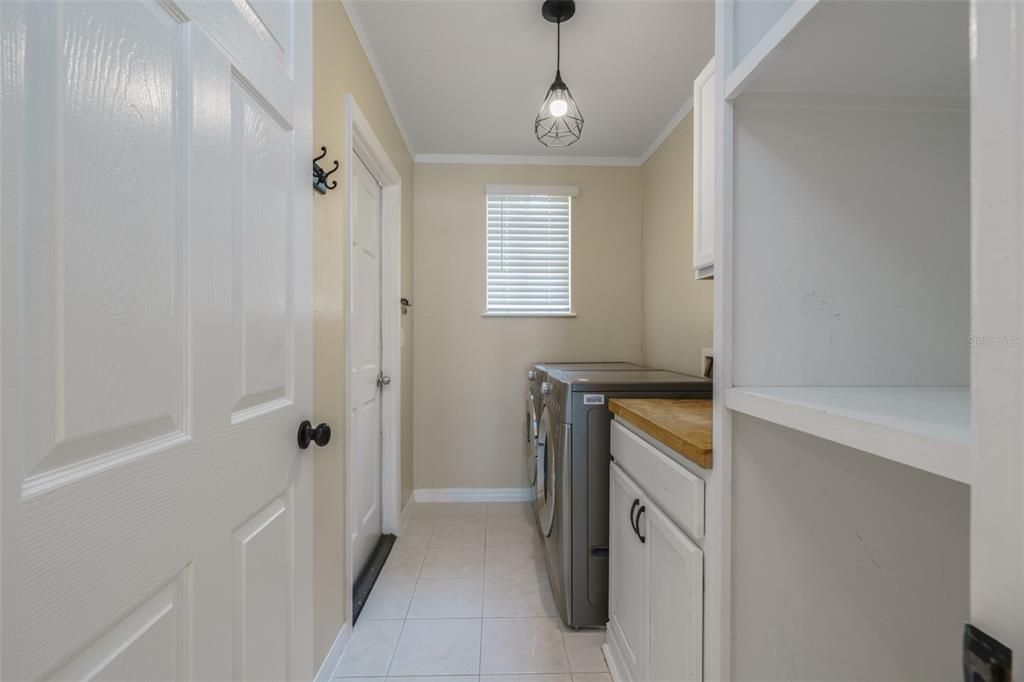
<point x="529" y="251"/>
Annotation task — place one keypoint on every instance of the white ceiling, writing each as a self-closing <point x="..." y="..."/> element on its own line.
<point x="466" y="77"/>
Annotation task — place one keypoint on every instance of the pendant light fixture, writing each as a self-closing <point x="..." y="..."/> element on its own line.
<point x="559" y="122"/>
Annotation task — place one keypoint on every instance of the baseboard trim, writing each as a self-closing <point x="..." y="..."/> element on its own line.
<point x="407" y="511"/>
<point x="613" y="667"/>
<point x="474" y="495"/>
<point x="334" y="654"/>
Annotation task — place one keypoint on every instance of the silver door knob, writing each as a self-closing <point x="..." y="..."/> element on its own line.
<point x="531" y="375"/>
<point x="383" y="380"/>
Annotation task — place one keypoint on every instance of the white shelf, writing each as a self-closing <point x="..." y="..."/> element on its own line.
<point x="925" y="428"/>
<point x="880" y="48"/>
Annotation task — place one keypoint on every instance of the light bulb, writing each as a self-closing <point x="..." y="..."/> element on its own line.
<point x="558" y="107"/>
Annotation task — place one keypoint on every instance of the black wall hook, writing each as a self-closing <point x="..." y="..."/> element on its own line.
<point x="320" y="176"/>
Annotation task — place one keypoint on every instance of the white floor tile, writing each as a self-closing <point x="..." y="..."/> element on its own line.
<point x="413" y="539"/>
<point x="458" y="531"/>
<point x="403" y="563"/>
<point x="584" y="650"/>
<point x="415" y="534"/>
<point x="523" y="645"/>
<point x="524" y="596"/>
<point x="435" y="678"/>
<point x="389" y="599"/>
<point x="420" y="525"/>
<point x="453" y="562"/>
<point x="506" y="561"/>
<point x="447" y="598"/>
<point x="427" y="509"/>
<point x="370" y="650"/>
<point x="509" y="530"/>
<point x="527" y="678"/>
<point x="591" y="677"/>
<point x="438" y="647"/>
<point x="517" y="509"/>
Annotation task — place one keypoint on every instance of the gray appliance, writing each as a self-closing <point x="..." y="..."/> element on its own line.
<point x="572" y="453"/>
<point x="536" y="376"/>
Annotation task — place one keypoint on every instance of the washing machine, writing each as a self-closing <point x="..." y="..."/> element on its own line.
<point x="535" y="377"/>
<point x="573" y="462"/>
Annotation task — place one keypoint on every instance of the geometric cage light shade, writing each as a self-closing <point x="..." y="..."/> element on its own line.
<point x="559" y="122"/>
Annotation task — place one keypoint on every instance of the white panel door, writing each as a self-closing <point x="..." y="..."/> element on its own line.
<point x="156" y="336"/>
<point x="628" y="593"/>
<point x="366" y="364"/>
<point x="676" y="580"/>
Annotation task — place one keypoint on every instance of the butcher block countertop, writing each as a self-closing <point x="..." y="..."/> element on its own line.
<point x="683" y="425"/>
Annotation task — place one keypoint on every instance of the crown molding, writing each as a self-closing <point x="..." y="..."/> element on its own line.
<point x="562" y="160"/>
<point x="667" y="130"/>
<point x="527" y="160"/>
<point x="364" y="42"/>
<point x="502" y="159"/>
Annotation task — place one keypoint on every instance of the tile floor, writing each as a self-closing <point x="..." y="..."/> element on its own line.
<point x="464" y="597"/>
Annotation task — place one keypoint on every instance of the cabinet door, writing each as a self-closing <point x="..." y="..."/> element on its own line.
<point x="676" y="580"/>
<point x="628" y="595"/>
<point x="704" y="172"/>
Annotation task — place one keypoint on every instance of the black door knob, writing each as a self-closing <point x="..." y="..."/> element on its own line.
<point x="321" y="435"/>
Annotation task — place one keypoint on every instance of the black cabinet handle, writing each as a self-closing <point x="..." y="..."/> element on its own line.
<point x="636" y="526"/>
<point x="321" y="435"/>
<point x="632" y="510"/>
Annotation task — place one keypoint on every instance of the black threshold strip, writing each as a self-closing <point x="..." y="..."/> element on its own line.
<point x="367" y="579"/>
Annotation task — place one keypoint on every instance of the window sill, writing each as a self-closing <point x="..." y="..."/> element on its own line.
<point x="569" y="314"/>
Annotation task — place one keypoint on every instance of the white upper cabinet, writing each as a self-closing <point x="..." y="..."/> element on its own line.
<point x="704" y="173"/>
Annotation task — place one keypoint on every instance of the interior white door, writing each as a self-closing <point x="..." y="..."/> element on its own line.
<point x="156" y="335"/>
<point x="366" y="364"/>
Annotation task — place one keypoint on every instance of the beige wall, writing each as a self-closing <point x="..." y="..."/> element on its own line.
<point x="677" y="310"/>
<point x="340" y="67"/>
<point x="470" y="371"/>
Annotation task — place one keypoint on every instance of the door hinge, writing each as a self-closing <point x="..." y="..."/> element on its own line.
<point x="383" y="380"/>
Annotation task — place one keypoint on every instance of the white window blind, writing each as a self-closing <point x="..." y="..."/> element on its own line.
<point x="529" y="243"/>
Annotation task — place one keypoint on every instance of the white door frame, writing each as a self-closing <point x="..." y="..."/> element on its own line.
<point x="360" y="139"/>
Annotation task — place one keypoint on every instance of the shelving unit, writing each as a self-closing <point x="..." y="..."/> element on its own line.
<point x="874" y="48"/>
<point x="843" y="318"/>
<point x="924" y="428"/>
<point x="850" y="190"/>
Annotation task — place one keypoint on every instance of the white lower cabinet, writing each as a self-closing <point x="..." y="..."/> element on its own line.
<point x="627" y="558"/>
<point x="675" y="580"/>
<point x="656" y="586"/>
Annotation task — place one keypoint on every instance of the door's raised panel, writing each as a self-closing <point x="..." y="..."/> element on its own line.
<point x="108" y="347"/>
<point x="154" y="638"/>
<point x="263" y="595"/>
<point x="275" y="17"/>
<point x="263" y="245"/>
<point x="366" y="466"/>
<point x="366" y="276"/>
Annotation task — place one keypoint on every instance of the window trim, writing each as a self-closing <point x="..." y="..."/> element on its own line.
<point x="571" y="191"/>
